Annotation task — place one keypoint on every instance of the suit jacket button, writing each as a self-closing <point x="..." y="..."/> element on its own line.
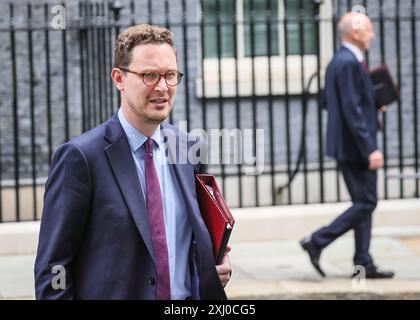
<point x="152" y="281"/>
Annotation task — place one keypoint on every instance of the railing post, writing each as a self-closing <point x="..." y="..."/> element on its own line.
<point x="116" y="7"/>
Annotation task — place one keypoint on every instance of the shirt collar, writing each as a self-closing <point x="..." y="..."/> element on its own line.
<point x="355" y="50"/>
<point x="135" y="138"/>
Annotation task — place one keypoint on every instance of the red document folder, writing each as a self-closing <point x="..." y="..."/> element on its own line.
<point x="386" y="92"/>
<point x="215" y="212"/>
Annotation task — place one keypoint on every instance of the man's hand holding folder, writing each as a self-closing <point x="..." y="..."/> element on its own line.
<point x="215" y="212"/>
<point x="223" y="269"/>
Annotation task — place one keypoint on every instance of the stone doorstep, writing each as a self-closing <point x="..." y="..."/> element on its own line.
<point x="19" y="237"/>
<point x="392" y="217"/>
<point x="395" y="217"/>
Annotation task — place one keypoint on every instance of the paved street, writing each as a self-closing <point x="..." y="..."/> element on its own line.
<point x="281" y="270"/>
<point x="267" y="260"/>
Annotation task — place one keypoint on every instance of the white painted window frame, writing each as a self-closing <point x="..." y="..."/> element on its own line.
<point x="261" y="74"/>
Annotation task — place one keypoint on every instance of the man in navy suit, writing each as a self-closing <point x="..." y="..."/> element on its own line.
<point x="351" y="140"/>
<point x="96" y="239"/>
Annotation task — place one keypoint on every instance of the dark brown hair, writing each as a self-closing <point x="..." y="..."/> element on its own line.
<point x="136" y="35"/>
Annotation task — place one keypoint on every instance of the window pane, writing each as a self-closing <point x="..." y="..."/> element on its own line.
<point x="292" y="8"/>
<point x="213" y="10"/>
<point x="258" y="10"/>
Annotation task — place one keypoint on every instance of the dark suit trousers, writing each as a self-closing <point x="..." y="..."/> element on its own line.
<point x="361" y="184"/>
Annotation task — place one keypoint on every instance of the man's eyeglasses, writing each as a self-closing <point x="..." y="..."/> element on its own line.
<point x="172" y="78"/>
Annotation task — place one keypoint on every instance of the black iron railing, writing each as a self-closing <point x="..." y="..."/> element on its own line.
<point x="246" y="66"/>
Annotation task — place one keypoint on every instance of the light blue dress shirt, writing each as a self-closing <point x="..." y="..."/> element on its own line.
<point x="177" y="225"/>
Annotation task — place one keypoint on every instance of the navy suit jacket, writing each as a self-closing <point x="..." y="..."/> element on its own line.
<point x="95" y="222"/>
<point x="352" y="115"/>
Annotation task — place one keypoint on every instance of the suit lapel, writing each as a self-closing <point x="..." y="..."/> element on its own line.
<point x="123" y="167"/>
<point x="186" y="180"/>
<point x="183" y="172"/>
<point x="207" y="287"/>
<point x="367" y="82"/>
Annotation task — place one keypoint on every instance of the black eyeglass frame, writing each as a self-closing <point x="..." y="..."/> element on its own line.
<point x="141" y="75"/>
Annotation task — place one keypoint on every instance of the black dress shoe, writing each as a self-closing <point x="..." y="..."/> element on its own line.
<point x="314" y="254"/>
<point x="373" y="272"/>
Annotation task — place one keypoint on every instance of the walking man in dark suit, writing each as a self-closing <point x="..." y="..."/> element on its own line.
<point x="120" y="220"/>
<point x="351" y="140"/>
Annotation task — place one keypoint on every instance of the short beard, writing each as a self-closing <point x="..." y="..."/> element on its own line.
<point x="157" y="119"/>
<point x="147" y="118"/>
<point x="154" y="120"/>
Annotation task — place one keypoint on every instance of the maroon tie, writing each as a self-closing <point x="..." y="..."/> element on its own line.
<point x="364" y="64"/>
<point x="157" y="225"/>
